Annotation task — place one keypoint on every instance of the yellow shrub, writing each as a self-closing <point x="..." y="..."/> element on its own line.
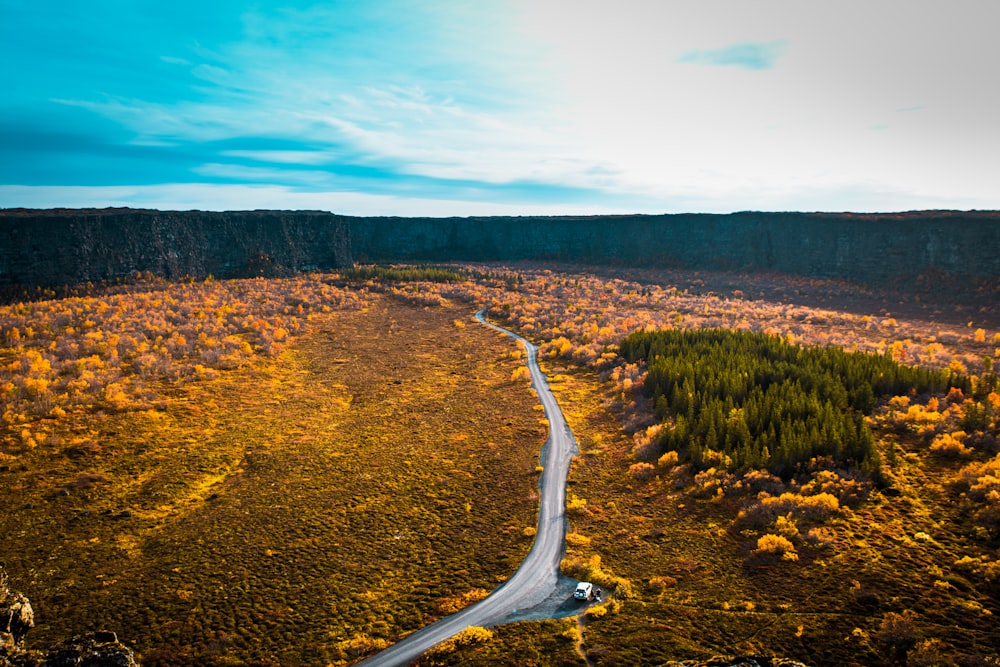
<point x="575" y="505"/>
<point x="453" y="603"/>
<point x="775" y="546"/>
<point x="521" y="373"/>
<point x="470" y="636"/>
<point x="768" y="508"/>
<point x="950" y="444"/>
<point x="917" y="414"/>
<point x="981" y="567"/>
<point x="785" y="526"/>
<point x="668" y="460"/>
<point x="362" y="644"/>
<point x="590" y="570"/>
<point x="899" y="402"/>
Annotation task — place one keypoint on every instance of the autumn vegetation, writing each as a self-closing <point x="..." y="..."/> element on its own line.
<point x="303" y="470"/>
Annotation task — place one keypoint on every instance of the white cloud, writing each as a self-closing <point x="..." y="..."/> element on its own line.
<point x="799" y="130"/>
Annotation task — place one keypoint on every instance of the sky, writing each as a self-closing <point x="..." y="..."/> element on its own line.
<point x="501" y="107"/>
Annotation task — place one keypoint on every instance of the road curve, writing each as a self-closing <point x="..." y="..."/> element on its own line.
<point x="537" y="581"/>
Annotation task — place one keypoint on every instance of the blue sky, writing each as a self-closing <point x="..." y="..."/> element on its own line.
<point x="474" y="107"/>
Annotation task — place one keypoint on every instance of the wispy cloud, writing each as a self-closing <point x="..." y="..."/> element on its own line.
<point x="241" y="173"/>
<point x="747" y="55"/>
<point x="410" y="114"/>
<point x="505" y="103"/>
<point x="283" y="156"/>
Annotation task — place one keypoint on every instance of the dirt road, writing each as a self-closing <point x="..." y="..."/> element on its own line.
<point x="536" y="590"/>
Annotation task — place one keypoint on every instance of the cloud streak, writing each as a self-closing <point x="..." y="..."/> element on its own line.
<point x="747" y="55"/>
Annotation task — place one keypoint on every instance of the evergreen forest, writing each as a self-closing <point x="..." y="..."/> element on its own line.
<point x="766" y="403"/>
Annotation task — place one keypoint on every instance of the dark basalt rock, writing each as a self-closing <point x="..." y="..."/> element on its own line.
<point x="874" y="249"/>
<point x="93" y="649"/>
<point x="53" y="248"/>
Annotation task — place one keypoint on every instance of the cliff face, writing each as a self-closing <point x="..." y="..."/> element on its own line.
<point x="49" y="248"/>
<point x="872" y="249"/>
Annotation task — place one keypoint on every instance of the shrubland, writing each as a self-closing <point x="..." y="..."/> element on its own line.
<point x="880" y="506"/>
<point x="315" y="501"/>
<point x="114" y="351"/>
<point x="756" y="475"/>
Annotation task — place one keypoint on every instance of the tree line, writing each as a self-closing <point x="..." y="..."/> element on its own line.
<point x="417" y="273"/>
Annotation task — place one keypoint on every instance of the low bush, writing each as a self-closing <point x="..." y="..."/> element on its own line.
<point x="765" y="510"/>
<point x="774" y="547"/>
<point x="951" y="445"/>
<point x="590" y="569"/>
<point x="898" y="632"/>
<point x="453" y="603"/>
<point x="641" y="471"/>
<point x="470" y="636"/>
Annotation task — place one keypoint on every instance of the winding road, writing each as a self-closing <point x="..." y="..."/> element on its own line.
<point x="537" y="589"/>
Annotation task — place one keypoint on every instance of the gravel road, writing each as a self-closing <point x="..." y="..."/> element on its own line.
<point x="536" y="590"/>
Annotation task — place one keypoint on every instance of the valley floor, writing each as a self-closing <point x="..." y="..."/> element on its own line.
<point x="302" y="471"/>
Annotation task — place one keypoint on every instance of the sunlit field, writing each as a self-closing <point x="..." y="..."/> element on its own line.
<point x="303" y="470"/>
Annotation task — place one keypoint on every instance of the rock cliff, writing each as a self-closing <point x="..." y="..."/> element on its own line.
<point x="62" y="247"/>
<point x="864" y="248"/>
<point x="65" y="247"/>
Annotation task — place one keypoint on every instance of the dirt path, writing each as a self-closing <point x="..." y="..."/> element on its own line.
<point x="536" y="590"/>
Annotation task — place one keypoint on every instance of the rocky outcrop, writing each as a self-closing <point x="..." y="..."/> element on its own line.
<point x="16" y="615"/>
<point x="64" y="247"/>
<point x="93" y="649"/>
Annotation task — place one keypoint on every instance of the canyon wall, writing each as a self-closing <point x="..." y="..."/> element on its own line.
<point x="863" y="248"/>
<point x="61" y="247"/>
<point x="65" y="247"/>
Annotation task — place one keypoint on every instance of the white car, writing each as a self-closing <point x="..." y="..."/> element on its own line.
<point x="584" y="591"/>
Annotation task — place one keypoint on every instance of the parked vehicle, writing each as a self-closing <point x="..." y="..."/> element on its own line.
<point x="584" y="591"/>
